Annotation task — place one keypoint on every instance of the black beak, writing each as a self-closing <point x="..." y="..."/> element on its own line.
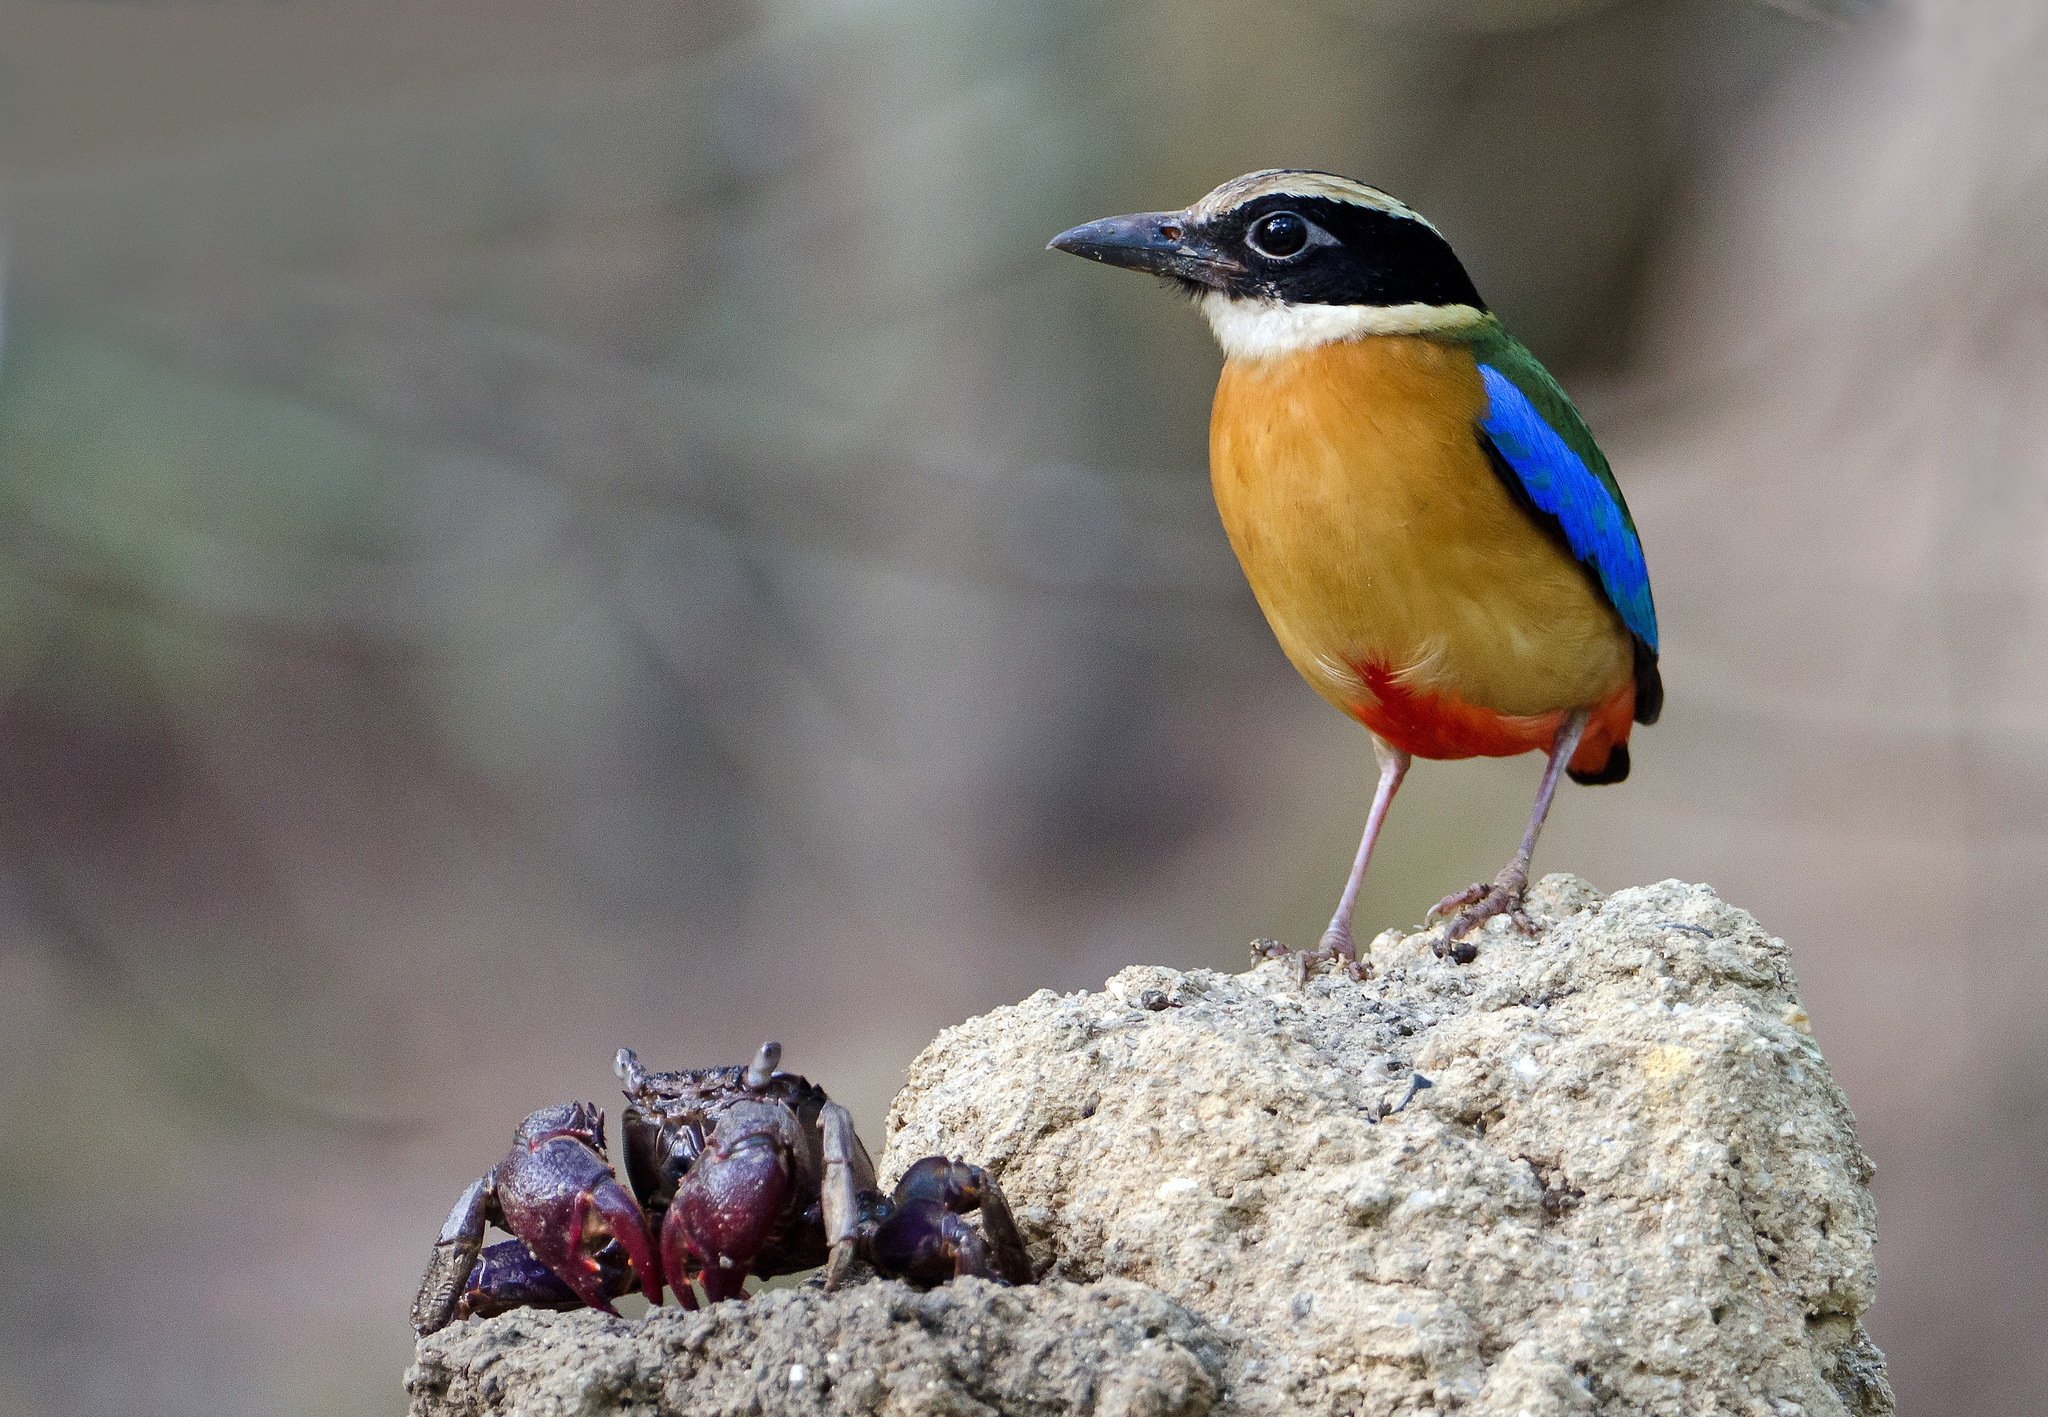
<point x="1162" y="243"/>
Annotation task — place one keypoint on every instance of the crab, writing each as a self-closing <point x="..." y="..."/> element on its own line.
<point x="734" y="1171"/>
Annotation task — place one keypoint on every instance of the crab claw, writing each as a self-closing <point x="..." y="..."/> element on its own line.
<point x="734" y="1201"/>
<point x="507" y="1277"/>
<point x="560" y="1197"/>
<point x="927" y="1244"/>
<point x="628" y="1226"/>
<point x="925" y="1240"/>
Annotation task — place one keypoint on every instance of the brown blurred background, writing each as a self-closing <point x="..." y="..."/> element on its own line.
<point x="532" y="527"/>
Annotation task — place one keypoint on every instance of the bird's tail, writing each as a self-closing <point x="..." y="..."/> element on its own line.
<point x="1602" y="755"/>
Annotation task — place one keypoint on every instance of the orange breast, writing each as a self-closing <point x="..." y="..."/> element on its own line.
<point x="1400" y="577"/>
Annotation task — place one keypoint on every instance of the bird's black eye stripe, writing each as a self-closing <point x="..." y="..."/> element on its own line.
<point x="1279" y="235"/>
<point x="1308" y="250"/>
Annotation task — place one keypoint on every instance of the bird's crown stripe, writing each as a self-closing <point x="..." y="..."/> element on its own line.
<point x="1301" y="183"/>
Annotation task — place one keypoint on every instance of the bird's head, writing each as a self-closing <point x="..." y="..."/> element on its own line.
<point x="1285" y="260"/>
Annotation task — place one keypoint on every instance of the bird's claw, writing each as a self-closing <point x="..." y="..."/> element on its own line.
<point x="1335" y="950"/>
<point x="1457" y="900"/>
<point x="1481" y="902"/>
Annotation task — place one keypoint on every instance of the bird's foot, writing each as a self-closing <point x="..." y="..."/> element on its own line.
<point x="1478" y="903"/>
<point x="1336" y="950"/>
<point x="1457" y="900"/>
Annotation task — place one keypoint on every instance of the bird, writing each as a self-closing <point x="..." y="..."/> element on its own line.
<point x="1436" y="540"/>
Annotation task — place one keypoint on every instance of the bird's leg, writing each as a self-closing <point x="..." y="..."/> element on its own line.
<point x="1337" y="942"/>
<point x="1481" y="902"/>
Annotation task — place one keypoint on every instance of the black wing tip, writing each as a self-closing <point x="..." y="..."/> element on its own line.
<point x="1614" y="770"/>
<point x="1649" y="685"/>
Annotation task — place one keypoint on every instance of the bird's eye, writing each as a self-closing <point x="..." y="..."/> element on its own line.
<point x="1278" y="236"/>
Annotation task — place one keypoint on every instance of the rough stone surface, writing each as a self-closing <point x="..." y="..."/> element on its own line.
<point x="1632" y="1189"/>
<point x="1115" y="1349"/>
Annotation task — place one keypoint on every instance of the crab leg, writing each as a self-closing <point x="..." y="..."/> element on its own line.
<point x="454" y="1256"/>
<point x="849" y="1175"/>
<point x="1012" y="1262"/>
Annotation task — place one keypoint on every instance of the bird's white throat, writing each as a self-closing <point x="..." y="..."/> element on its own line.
<point x="1265" y="329"/>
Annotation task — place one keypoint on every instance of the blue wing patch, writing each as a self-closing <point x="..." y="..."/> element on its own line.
<point x="1558" y="482"/>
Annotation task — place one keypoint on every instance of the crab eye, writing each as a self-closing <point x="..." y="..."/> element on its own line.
<point x="1279" y="236"/>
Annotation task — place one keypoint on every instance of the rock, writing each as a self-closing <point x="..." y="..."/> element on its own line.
<point x="1115" y="1349"/>
<point x="1631" y="1187"/>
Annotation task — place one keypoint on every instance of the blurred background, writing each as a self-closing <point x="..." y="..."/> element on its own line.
<point x="536" y="527"/>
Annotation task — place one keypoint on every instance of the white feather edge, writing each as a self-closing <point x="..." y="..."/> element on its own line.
<point x="1266" y="329"/>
